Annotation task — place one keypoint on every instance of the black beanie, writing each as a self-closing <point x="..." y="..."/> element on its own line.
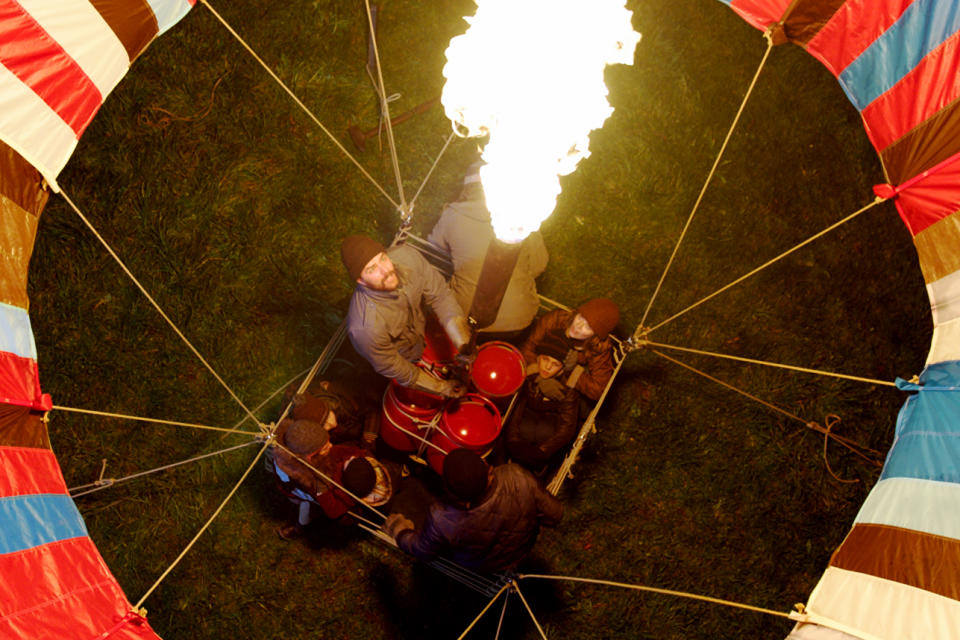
<point x="553" y="345"/>
<point x="356" y="252"/>
<point x="359" y="478"/>
<point x="465" y="474"/>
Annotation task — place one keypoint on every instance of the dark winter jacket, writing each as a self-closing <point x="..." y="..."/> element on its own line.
<point x="493" y="535"/>
<point x="594" y="355"/>
<point x="542" y="422"/>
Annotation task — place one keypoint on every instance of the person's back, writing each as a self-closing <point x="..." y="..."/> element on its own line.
<point x="464" y="231"/>
<point x="493" y="534"/>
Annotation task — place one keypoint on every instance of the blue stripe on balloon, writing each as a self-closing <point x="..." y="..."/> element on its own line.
<point x="924" y="26"/>
<point x="38" y="519"/>
<point x="927" y="444"/>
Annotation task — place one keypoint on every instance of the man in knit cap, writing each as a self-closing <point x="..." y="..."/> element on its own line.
<point x="386" y="320"/>
<point x="588" y="364"/>
<point x="488" y="521"/>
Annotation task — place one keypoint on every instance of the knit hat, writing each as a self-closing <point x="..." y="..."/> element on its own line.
<point x="359" y="478"/>
<point x="602" y="314"/>
<point x="465" y="474"/>
<point x="552" y="344"/>
<point x="309" y="407"/>
<point x="304" y="437"/>
<point x="356" y="251"/>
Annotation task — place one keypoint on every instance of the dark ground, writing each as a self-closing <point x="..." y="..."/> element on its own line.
<point x="229" y="204"/>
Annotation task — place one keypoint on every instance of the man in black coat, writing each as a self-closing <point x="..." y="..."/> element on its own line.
<point x="490" y="520"/>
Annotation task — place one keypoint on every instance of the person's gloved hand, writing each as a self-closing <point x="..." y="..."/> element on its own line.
<point x="396" y="524"/>
<point x="466" y="356"/>
<point x="552" y="388"/>
<point x="458" y="329"/>
<point x="453" y="389"/>
<point x="445" y="388"/>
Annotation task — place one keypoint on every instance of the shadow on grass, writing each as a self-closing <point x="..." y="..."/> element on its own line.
<point x="435" y="606"/>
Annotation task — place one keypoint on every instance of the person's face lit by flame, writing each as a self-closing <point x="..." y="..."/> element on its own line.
<point x="549" y="366"/>
<point x="579" y="328"/>
<point x="379" y="273"/>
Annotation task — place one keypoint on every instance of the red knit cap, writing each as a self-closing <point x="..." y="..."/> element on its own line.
<point x="356" y="251"/>
<point x="602" y="314"/>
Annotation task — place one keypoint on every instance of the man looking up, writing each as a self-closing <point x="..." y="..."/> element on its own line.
<point x="386" y="319"/>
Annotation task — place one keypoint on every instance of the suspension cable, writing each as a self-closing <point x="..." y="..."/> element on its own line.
<point x="516" y="588"/>
<point x="588" y="425"/>
<point x="669" y="592"/>
<point x="385" y="114"/>
<point x="483" y="611"/>
<point x="174" y="423"/>
<point x="706" y="183"/>
<point x="771" y="364"/>
<point x="766" y="264"/>
<point x="436" y="161"/>
<point x="205" y="526"/>
<point x="236" y="427"/>
<point x="826" y="431"/>
<point x="304" y="107"/>
<point x="103" y="483"/>
<point x="156" y="306"/>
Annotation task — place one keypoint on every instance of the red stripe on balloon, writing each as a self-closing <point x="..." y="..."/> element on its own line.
<point x="20" y="382"/>
<point x="63" y="590"/>
<point x="29" y="471"/>
<point x="39" y="61"/>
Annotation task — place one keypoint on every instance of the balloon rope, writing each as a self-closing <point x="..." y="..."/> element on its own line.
<point x="826" y="431"/>
<point x="529" y="610"/>
<point x="157" y="306"/>
<point x="432" y="167"/>
<point x="483" y="611"/>
<point x="206" y="525"/>
<point x="770" y="364"/>
<point x="588" y="425"/>
<point x="300" y="104"/>
<point x="269" y="441"/>
<point x="503" y="613"/>
<point x="766" y="264"/>
<point x="103" y="483"/>
<point x="327" y="478"/>
<point x="669" y="592"/>
<point x="174" y="423"/>
<point x="236" y="427"/>
<point x="706" y="183"/>
<point x="385" y="114"/>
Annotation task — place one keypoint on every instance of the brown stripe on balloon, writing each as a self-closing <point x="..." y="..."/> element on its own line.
<point x="913" y="558"/>
<point x="937" y="248"/>
<point x="18" y="230"/>
<point x="132" y="21"/>
<point x="21" y="182"/>
<point x="21" y="427"/>
<point x="924" y="146"/>
<point x="807" y="18"/>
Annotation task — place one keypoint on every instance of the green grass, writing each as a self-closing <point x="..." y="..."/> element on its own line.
<point x="229" y="204"/>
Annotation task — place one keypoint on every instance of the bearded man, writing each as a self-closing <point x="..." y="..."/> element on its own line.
<point x="386" y="320"/>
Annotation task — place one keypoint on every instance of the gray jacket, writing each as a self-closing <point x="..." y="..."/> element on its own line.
<point x="386" y="327"/>
<point x="464" y="231"/>
<point x="493" y="535"/>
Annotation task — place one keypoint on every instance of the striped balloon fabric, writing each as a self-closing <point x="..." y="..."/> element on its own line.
<point x="58" y="61"/>
<point x="897" y="573"/>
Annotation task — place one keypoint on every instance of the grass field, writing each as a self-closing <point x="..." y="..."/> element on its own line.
<point x="229" y="204"/>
